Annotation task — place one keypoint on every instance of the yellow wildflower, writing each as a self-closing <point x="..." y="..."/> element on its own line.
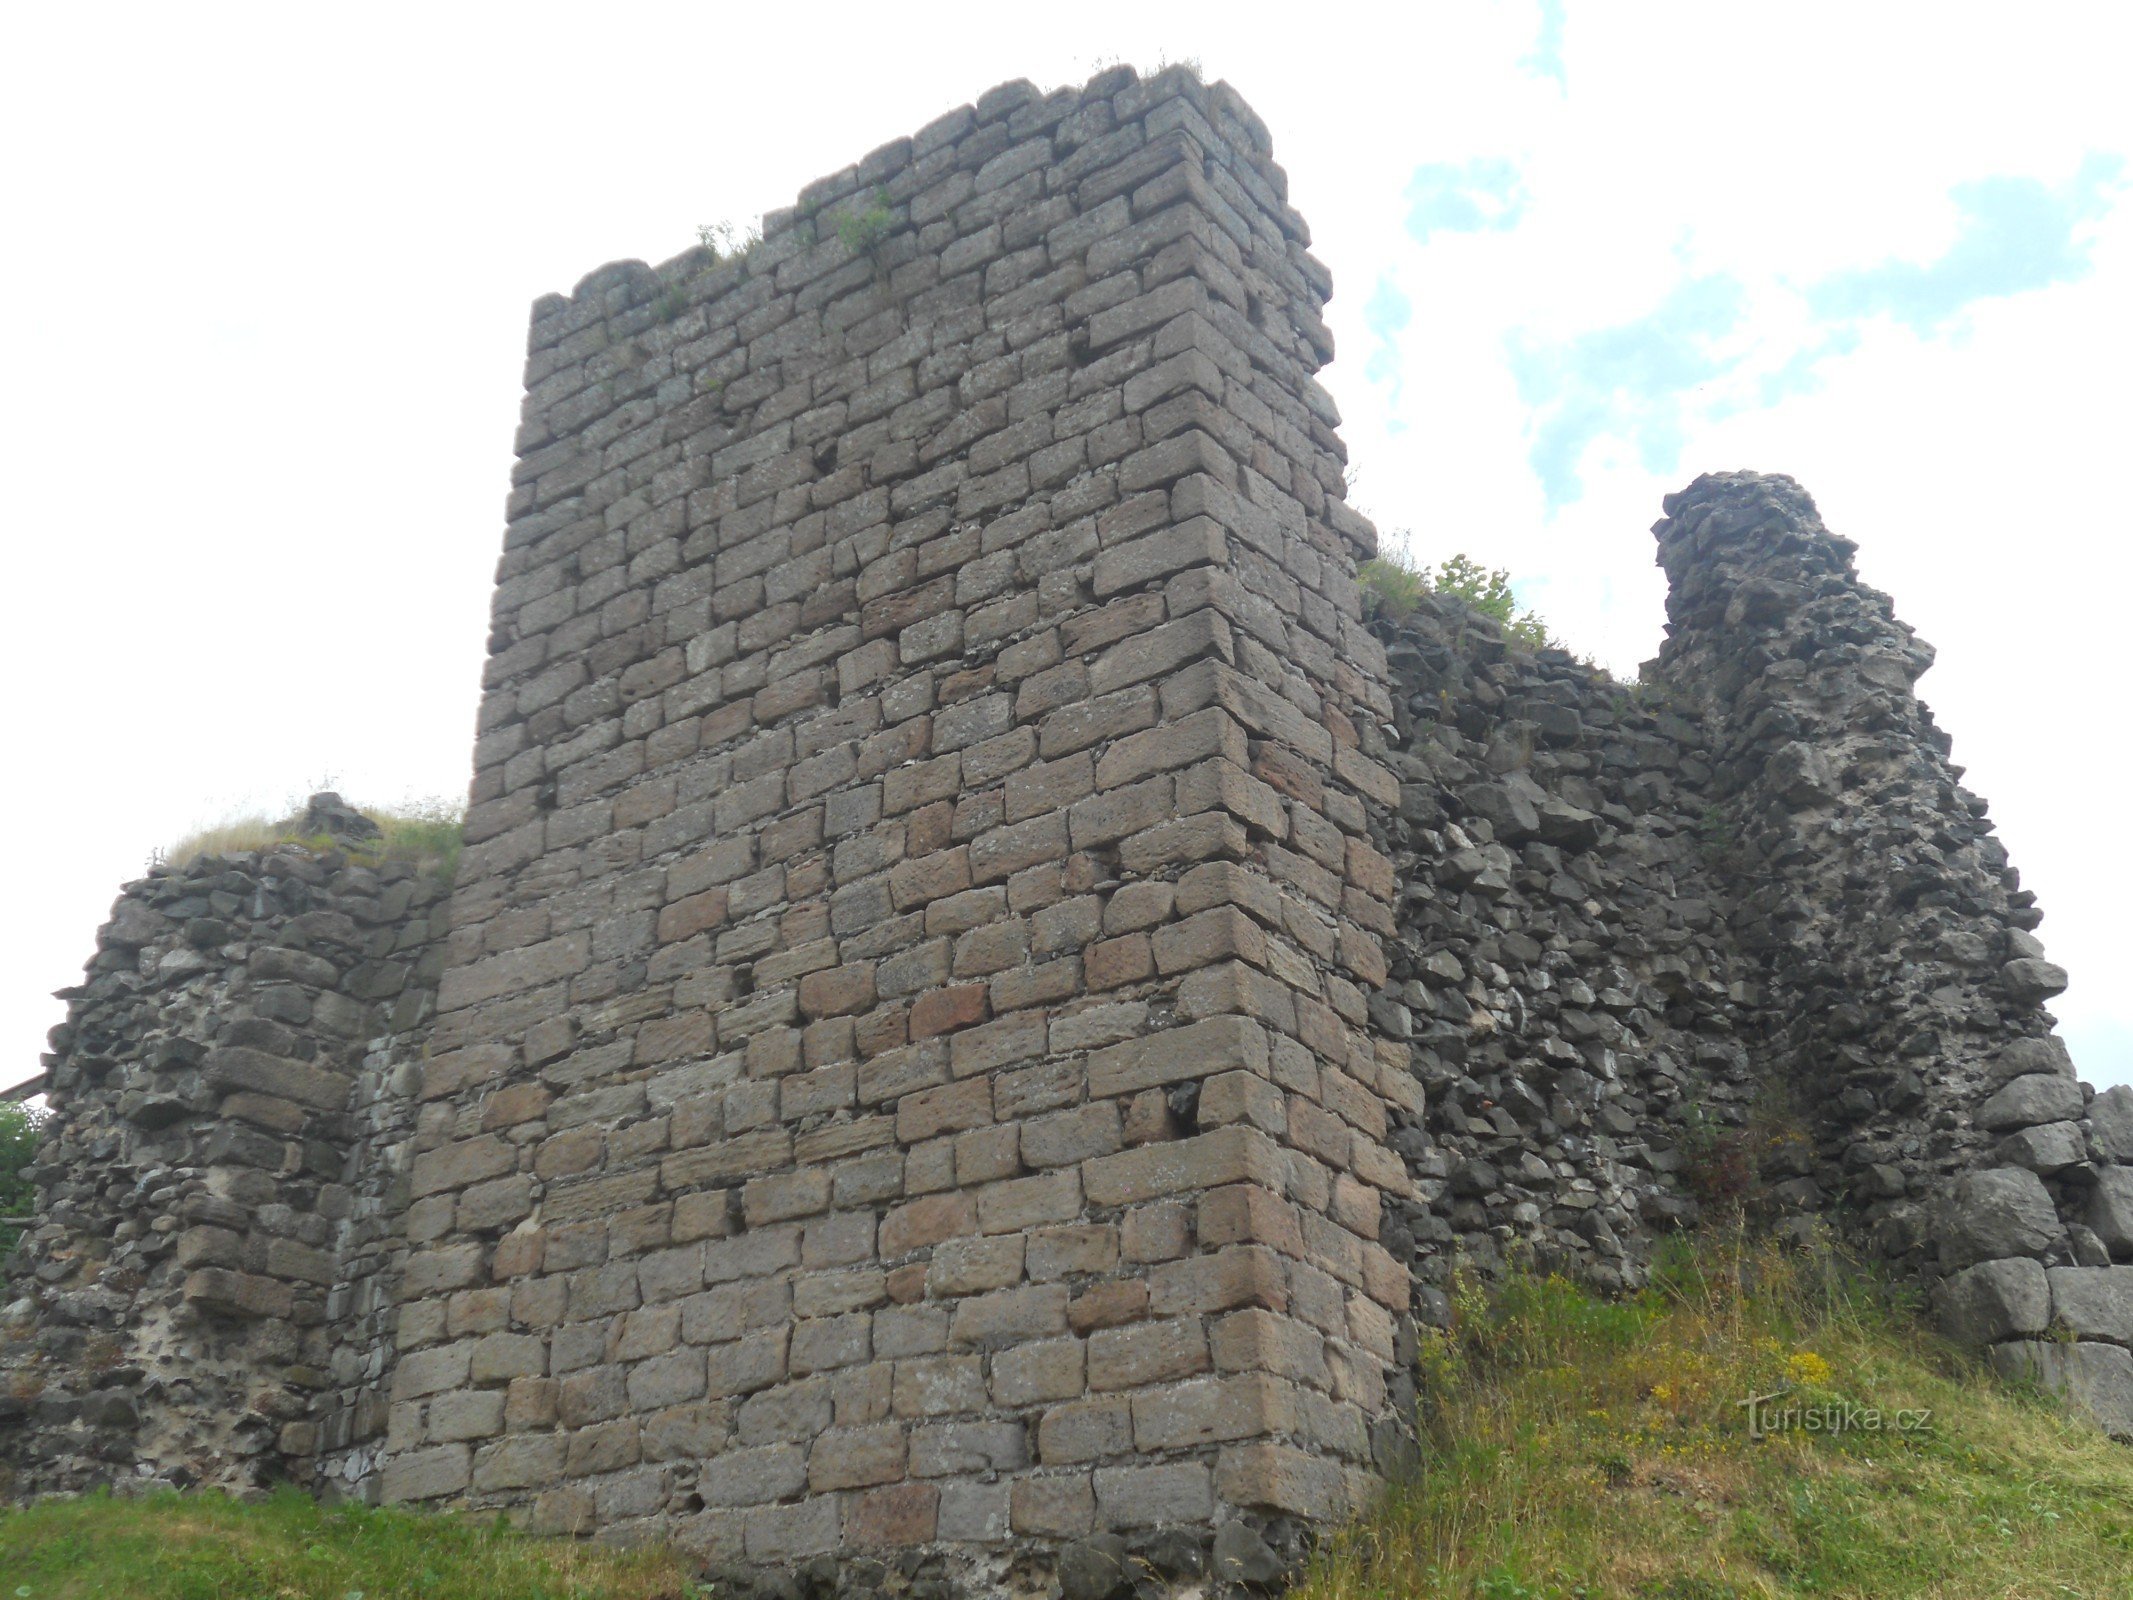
<point x="1807" y="1369"/>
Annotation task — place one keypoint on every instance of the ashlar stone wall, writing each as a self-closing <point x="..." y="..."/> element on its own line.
<point x="903" y="1072"/>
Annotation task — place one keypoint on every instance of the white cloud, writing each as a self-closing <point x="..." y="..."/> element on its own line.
<point x="1969" y="458"/>
<point x="271" y="269"/>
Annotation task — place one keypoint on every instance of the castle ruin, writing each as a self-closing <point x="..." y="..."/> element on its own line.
<point x="984" y="993"/>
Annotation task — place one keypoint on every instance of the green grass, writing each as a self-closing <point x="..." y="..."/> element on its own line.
<point x="1574" y="1448"/>
<point x="425" y="834"/>
<point x="1580" y="1449"/>
<point x="207" y="1547"/>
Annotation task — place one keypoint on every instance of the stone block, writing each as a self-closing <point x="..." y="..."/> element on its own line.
<point x="1228" y="1155"/>
<point x="221" y="1292"/>
<point x="944" y="1449"/>
<point x="2030" y="1100"/>
<point x="1995" y="1300"/>
<point x="427" y="1474"/>
<point x="1236" y="1275"/>
<point x="2096" y="1379"/>
<point x="857" y="1457"/>
<point x="1010" y="1316"/>
<point x="2022" y="1057"/>
<point x="463" y="1162"/>
<point x="1085" y="1430"/>
<point x="1170" y="1495"/>
<point x="974" y="1513"/>
<point x="1282" y="1479"/>
<point x="748" y="1364"/>
<point x="2110" y="1209"/>
<point x="1212" y="1410"/>
<point x="2031" y="981"/>
<point x="466" y="1414"/>
<point x="934" y="1386"/>
<point x="971" y="1266"/>
<point x="2094" y="1302"/>
<point x="753" y="1477"/>
<point x="2047" y="1149"/>
<point x="1038" y="1372"/>
<point x="2111" y="1123"/>
<point x="1197" y="1050"/>
<point x="1071" y="1251"/>
<point x="1996" y="1213"/>
<point x="1255" y="1340"/>
<point x="239" y="1067"/>
<point x="1145" y="1353"/>
<point x="900" y="1514"/>
<point x="525" y="1461"/>
<point x="787" y="1533"/>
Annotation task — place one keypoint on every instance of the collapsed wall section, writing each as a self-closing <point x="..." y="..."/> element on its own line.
<point x="1902" y="985"/>
<point x="904" y="1071"/>
<point x="1563" y="980"/>
<point x="204" y="1296"/>
<point x="1738" y="934"/>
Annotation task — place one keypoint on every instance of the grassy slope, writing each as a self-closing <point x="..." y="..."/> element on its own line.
<point x="1577" y="1449"/>
<point x="204" y="1547"/>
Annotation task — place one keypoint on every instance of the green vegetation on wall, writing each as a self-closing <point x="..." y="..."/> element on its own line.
<point x="1394" y="584"/>
<point x="423" y="833"/>
<point x="19" y="1126"/>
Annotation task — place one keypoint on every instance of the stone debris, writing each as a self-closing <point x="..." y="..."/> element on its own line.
<point x="986" y="994"/>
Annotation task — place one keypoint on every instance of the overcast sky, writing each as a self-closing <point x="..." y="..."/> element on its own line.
<point x="268" y="271"/>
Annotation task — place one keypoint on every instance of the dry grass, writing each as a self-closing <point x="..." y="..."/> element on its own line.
<point x="425" y="834"/>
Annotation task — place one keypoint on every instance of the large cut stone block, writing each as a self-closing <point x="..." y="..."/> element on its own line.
<point x="2094" y="1302"/>
<point x="1999" y="1212"/>
<point x="2110" y="1211"/>
<point x="2111" y="1123"/>
<point x="2030" y="1100"/>
<point x="1995" y="1300"/>
<point x="2096" y="1378"/>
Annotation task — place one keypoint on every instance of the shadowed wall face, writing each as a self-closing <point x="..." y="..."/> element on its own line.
<point x="903" y="1070"/>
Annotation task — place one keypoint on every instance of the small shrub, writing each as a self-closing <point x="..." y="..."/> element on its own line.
<point x="1717" y="1163"/>
<point x="1488" y="591"/>
<point x="862" y="232"/>
<point x="19" y="1130"/>
<point x="727" y="242"/>
<point x="1714" y="834"/>
<point x="1393" y="586"/>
